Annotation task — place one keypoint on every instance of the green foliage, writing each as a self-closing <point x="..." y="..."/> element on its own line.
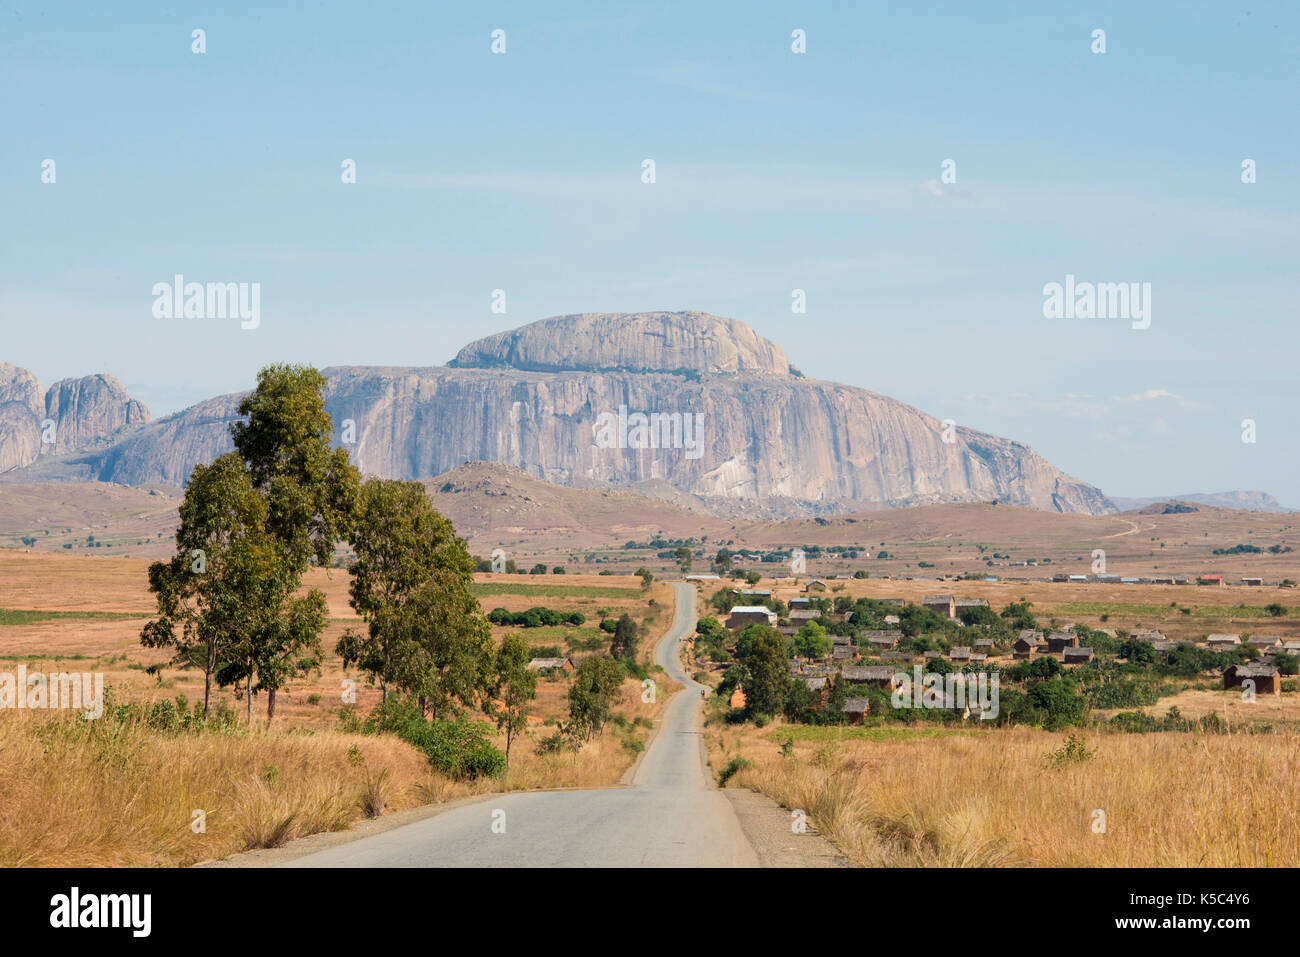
<point x="624" y="642"/>
<point x="461" y="749"/>
<point x="768" y="665"/>
<point x="732" y="767"/>
<point x="595" y="689"/>
<point x="1072" y="751"/>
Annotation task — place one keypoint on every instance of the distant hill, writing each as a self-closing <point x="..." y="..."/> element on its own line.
<point x="1247" y="501"/>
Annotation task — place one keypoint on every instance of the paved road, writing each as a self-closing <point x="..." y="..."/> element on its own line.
<point x="669" y="817"/>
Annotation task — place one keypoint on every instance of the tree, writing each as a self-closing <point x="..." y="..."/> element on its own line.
<point x="311" y="492"/>
<point x="207" y="589"/>
<point x="811" y="641"/>
<point x="722" y="560"/>
<point x="624" y="642"/>
<point x="515" y="686"/>
<point x="411" y="583"/>
<point x="596" y="686"/>
<point x="682" y="556"/>
<point x="768" y="680"/>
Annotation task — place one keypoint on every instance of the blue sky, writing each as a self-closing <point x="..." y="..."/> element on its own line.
<point x="775" y="171"/>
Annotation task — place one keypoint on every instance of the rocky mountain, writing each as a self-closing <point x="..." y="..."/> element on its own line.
<point x="1247" y="501"/>
<point x="688" y="407"/>
<point x="74" y="414"/>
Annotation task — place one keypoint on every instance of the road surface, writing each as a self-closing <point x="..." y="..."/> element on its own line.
<point x="671" y="815"/>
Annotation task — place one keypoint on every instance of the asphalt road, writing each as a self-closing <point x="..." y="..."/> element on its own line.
<point x="671" y="815"/>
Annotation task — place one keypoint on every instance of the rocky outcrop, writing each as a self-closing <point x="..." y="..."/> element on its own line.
<point x="628" y="342"/>
<point x="87" y="409"/>
<point x="73" y="415"/>
<point x="736" y="434"/>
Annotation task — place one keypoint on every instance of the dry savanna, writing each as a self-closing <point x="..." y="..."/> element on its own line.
<point x="141" y="786"/>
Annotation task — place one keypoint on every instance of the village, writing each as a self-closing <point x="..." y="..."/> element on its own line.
<point x="851" y="653"/>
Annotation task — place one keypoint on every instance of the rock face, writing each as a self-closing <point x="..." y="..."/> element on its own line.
<point x="628" y="342"/>
<point x="737" y="434"/>
<point x="73" y="415"/>
<point x="87" y="409"/>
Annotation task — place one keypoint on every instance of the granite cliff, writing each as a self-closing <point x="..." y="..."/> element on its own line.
<point x="739" y="431"/>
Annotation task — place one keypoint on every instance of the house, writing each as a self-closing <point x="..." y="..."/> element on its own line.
<point x="800" y="603"/>
<point x="815" y="584"/>
<point x="1210" y="580"/>
<point x="1164" y="646"/>
<point x="1291" y="647"/>
<point x="1223" y="642"/>
<point x="844" y="652"/>
<point x="882" y="639"/>
<point x="882" y="675"/>
<point x="737" y="699"/>
<point x="892" y="601"/>
<point x="813" y="683"/>
<point x="856" y="709"/>
<point x="1077" y="579"/>
<point x="541" y="664"/>
<point x="891" y="620"/>
<point x="805" y="614"/>
<point x="895" y="655"/>
<point x="960" y="653"/>
<point x="756" y="592"/>
<point x="1266" y="677"/>
<point x="944" y="605"/>
<point x="1147" y="634"/>
<point x="1265" y="642"/>
<point x="841" y="639"/>
<point x="788" y="630"/>
<point x="932" y="655"/>
<point x="1077" y="656"/>
<point x="743" y="615"/>
<point x="1058" y="641"/>
<point x="984" y="644"/>
<point x="1027" y="644"/>
<point x="1256" y="582"/>
<point x="978" y="656"/>
<point x="704" y="577"/>
<point x="966" y="604"/>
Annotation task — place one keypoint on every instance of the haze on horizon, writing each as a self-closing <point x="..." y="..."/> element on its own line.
<point x="775" y="171"/>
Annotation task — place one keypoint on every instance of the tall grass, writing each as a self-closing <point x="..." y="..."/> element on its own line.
<point x="1009" y="799"/>
<point x="109" y="792"/>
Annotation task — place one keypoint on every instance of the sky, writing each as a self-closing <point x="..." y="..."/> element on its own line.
<point x="822" y="171"/>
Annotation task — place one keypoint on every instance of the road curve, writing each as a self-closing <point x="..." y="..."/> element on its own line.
<point x="671" y="815"/>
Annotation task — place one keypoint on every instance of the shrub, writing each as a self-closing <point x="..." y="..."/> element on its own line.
<point x="733" y="766"/>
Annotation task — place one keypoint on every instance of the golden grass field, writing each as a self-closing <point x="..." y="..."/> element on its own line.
<point x="991" y="798"/>
<point x="79" y="793"/>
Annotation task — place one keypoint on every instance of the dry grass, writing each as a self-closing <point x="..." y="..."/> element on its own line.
<point x="110" y="794"/>
<point x="991" y="799"/>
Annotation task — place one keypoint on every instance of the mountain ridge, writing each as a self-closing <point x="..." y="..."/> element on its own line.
<point x="772" y="442"/>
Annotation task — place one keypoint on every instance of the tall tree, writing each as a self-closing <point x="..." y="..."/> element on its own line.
<point x="411" y="583"/>
<point x="222" y="553"/>
<point x="596" y="686"/>
<point x="624" y="642"/>
<point x="516" y="686"/>
<point x="311" y="492"/>
<point x="768" y="667"/>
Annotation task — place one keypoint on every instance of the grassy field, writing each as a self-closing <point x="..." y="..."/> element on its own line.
<point x="1023" y="797"/>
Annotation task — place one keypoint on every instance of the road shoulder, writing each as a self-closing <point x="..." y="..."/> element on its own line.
<point x="767" y="827"/>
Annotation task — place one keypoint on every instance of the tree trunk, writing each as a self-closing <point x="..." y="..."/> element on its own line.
<point x="207" y="679"/>
<point x="248" y="695"/>
<point x="270" y="706"/>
